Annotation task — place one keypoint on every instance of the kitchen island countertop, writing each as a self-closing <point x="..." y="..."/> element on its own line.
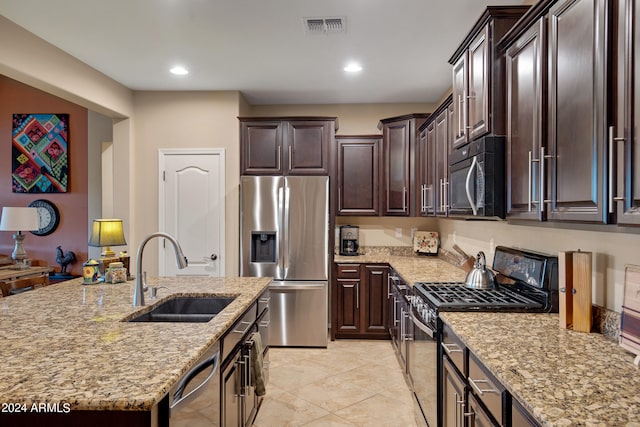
<point x="562" y="377"/>
<point x="68" y="343"/>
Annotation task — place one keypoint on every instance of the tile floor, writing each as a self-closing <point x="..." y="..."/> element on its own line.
<point x="350" y="383"/>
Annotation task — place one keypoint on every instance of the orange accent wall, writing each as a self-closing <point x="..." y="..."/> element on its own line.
<point x="72" y="233"/>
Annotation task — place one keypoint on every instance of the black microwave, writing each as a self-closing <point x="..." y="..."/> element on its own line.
<point x="477" y="179"/>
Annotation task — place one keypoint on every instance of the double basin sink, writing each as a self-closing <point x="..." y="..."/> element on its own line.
<point x="185" y="309"/>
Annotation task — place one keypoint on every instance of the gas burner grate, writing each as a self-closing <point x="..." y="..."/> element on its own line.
<point x="452" y="295"/>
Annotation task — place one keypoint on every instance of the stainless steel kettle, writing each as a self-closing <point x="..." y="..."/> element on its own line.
<point x="480" y="277"/>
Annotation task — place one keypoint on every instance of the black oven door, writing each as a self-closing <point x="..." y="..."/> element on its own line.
<point x="424" y="368"/>
<point x="467" y="187"/>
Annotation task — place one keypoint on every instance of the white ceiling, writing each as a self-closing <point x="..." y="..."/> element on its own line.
<point x="260" y="47"/>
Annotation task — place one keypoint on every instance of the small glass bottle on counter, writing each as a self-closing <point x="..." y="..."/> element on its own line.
<point x="116" y="273"/>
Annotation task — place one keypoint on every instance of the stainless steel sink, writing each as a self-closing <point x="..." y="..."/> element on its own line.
<point x="186" y="309"/>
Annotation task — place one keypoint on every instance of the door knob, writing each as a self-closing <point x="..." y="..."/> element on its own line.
<point x="213" y="257"/>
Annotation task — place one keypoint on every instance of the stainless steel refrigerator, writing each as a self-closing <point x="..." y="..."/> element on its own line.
<point x="284" y="233"/>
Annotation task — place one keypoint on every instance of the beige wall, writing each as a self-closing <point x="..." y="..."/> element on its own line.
<point x="612" y="247"/>
<point x="353" y="119"/>
<point x="22" y="56"/>
<point x="185" y="120"/>
<point x="611" y="250"/>
<point x="381" y="231"/>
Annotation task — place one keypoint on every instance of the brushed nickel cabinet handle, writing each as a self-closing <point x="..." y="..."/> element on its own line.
<point x="612" y="142"/>
<point x="449" y="350"/>
<point x="482" y="391"/>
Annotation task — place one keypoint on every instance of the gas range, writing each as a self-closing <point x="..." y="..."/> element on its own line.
<point x="527" y="283"/>
<point x="431" y="298"/>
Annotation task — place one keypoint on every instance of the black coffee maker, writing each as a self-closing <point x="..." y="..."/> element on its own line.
<point x="349" y="240"/>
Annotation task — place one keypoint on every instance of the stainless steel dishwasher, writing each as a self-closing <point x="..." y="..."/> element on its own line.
<point x="195" y="399"/>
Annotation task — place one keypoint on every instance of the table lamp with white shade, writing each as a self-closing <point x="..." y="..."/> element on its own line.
<point x="19" y="220"/>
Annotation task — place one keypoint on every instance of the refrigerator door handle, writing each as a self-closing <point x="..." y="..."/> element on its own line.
<point x="295" y="287"/>
<point x="287" y="225"/>
<point x="281" y="254"/>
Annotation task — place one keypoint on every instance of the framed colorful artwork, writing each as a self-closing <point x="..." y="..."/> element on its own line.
<point x="40" y="153"/>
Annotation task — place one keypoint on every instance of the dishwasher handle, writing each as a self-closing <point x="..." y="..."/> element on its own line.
<point x="178" y="398"/>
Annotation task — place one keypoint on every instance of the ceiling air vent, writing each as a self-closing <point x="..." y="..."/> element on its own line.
<point x="324" y="25"/>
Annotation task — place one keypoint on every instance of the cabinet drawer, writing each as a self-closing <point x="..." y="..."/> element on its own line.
<point x="239" y="330"/>
<point x="454" y="349"/>
<point x="348" y="271"/>
<point x="487" y="389"/>
<point x="263" y="302"/>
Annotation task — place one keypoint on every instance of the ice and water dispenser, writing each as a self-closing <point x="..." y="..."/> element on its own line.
<point x="263" y="246"/>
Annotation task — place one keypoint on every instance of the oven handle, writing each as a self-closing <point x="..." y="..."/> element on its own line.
<point x="424" y="328"/>
<point x="474" y="208"/>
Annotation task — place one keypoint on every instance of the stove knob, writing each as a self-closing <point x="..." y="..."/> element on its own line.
<point x="431" y="316"/>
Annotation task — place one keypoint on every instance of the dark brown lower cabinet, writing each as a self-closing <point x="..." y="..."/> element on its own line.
<point x="470" y="395"/>
<point x="359" y="301"/>
<point x="520" y="417"/>
<point x="453" y="396"/>
<point x="476" y="415"/>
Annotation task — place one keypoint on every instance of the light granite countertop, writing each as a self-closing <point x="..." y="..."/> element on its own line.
<point x="68" y="343"/>
<point x="562" y="377"/>
<point x="412" y="268"/>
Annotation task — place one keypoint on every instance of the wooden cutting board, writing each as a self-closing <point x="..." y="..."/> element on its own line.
<point x="574" y="271"/>
<point x="581" y="291"/>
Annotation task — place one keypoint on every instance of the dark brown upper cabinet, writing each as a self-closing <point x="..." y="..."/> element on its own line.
<point x="525" y="136"/>
<point x="577" y="111"/>
<point x="561" y="150"/>
<point x="286" y="146"/>
<point x="358" y="174"/>
<point x="433" y="145"/>
<point x="624" y="191"/>
<point x="426" y="152"/>
<point x="398" y="164"/>
<point x="478" y="76"/>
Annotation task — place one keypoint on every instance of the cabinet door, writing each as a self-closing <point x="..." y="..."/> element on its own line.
<point x="453" y="396"/>
<point x="524" y="63"/>
<point x="623" y="139"/>
<point x="442" y="163"/>
<point x="478" y="86"/>
<point x="261" y="148"/>
<point x="231" y="392"/>
<point x="307" y="150"/>
<point x="348" y="305"/>
<point x="577" y="110"/>
<point x="358" y="175"/>
<point x="396" y="146"/>
<point x="374" y="299"/>
<point x="460" y="83"/>
<point x="477" y="416"/>
<point x="426" y="149"/>
<point x="520" y="417"/>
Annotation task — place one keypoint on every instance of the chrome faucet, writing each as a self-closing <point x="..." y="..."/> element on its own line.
<point x="181" y="260"/>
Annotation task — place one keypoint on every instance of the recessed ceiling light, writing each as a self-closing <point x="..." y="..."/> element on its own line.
<point x="353" y="68"/>
<point x="179" y="70"/>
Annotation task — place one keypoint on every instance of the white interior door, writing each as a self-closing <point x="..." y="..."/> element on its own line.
<point x="192" y="209"/>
